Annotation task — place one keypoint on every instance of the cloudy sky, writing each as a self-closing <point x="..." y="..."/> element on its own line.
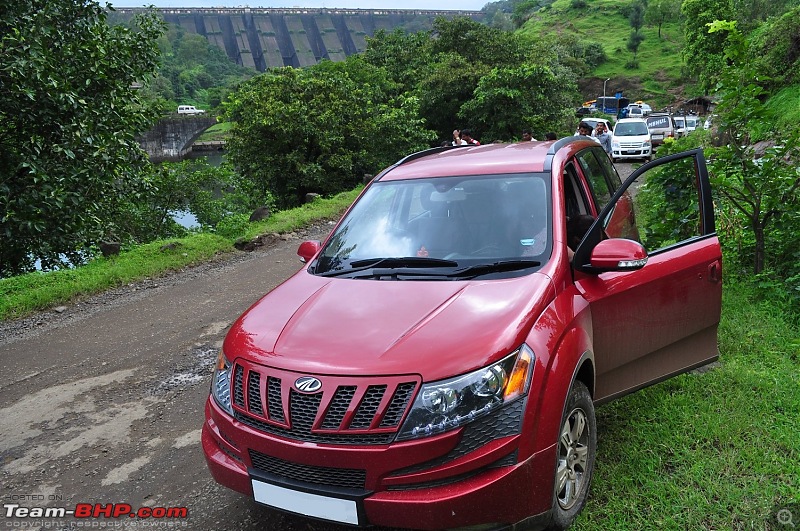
<point x="475" y="5"/>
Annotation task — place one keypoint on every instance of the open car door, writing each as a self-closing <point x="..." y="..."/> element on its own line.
<point x="650" y="268"/>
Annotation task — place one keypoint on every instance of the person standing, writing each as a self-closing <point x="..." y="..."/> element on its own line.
<point x="527" y="136"/>
<point x="584" y="129"/>
<point x="603" y="136"/>
<point x="466" y="135"/>
<point x="457" y="140"/>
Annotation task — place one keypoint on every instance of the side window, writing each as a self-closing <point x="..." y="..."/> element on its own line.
<point x="661" y="208"/>
<point x="596" y="176"/>
<point x="574" y="199"/>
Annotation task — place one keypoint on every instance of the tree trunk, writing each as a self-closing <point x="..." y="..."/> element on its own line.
<point x="758" y="258"/>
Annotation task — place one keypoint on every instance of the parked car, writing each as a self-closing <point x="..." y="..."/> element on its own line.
<point x="692" y="122"/>
<point x="631" y="140"/>
<point x="634" y="111"/>
<point x="646" y="109"/>
<point x="661" y="127"/>
<point x="189" y="109"/>
<point x="680" y="126"/>
<point x="436" y="362"/>
<point x="594" y="121"/>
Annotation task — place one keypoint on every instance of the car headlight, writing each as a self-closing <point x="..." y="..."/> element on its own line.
<point x="221" y="383"/>
<point x="448" y="404"/>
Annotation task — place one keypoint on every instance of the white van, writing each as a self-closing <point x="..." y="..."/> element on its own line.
<point x="631" y="140"/>
<point x="189" y="109"/>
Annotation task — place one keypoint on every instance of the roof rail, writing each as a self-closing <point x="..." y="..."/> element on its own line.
<point x="415" y="156"/>
<point x="548" y="160"/>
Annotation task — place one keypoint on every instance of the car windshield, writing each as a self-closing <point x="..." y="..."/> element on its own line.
<point x="630" y="129"/>
<point x="679" y="122"/>
<point x="443" y="227"/>
<point x="691" y="122"/>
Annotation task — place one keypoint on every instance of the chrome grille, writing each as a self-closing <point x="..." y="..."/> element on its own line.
<point x="347" y="410"/>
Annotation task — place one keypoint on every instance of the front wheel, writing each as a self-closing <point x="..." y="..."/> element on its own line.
<point x="577" y="443"/>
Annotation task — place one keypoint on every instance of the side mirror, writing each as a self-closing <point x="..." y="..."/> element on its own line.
<point x="618" y="254"/>
<point x="308" y="249"/>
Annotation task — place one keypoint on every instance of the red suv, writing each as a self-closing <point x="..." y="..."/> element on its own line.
<point x="437" y="361"/>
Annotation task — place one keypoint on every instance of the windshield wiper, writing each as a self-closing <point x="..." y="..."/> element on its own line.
<point x="494" y="267"/>
<point x="390" y="263"/>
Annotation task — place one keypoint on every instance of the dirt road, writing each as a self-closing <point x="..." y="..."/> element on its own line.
<point x="103" y="402"/>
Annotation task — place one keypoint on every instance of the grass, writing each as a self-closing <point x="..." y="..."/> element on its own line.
<point x="605" y="22"/>
<point x="717" y="450"/>
<point x="218" y="131"/>
<point x="22" y="295"/>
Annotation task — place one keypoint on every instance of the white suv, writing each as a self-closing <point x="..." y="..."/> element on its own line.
<point x="189" y="109"/>
<point x="631" y="140"/>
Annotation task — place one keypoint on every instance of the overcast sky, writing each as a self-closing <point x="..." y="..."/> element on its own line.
<point x="469" y="5"/>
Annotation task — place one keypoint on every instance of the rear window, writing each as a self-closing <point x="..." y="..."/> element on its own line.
<point x="658" y="121"/>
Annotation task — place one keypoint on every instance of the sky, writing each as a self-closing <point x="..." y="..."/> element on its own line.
<point x="468" y="5"/>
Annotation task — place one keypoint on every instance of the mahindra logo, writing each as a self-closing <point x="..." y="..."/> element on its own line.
<point x="307" y="384"/>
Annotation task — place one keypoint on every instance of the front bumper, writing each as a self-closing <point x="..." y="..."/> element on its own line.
<point x="631" y="153"/>
<point x="491" y="485"/>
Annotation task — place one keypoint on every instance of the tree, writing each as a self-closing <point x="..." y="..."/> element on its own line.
<point x="510" y="99"/>
<point x="634" y="41"/>
<point x="69" y="114"/>
<point x="703" y="53"/>
<point x="658" y="12"/>
<point x="762" y="188"/>
<point x="636" y="17"/>
<point x="320" y="129"/>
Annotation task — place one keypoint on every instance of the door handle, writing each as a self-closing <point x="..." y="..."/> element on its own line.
<point x="715" y="271"/>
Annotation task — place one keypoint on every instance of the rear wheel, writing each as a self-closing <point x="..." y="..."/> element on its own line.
<point x="577" y="442"/>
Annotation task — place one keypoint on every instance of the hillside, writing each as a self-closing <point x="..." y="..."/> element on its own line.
<point x="658" y="79"/>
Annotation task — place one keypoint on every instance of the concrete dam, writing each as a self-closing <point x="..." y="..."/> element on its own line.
<point x="263" y="38"/>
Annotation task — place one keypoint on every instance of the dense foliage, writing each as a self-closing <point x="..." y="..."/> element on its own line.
<point x="320" y="129"/>
<point x="69" y="114"/>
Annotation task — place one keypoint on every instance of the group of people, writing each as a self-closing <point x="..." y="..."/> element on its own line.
<point x="463" y="137"/>
<point x="599" y="134"/>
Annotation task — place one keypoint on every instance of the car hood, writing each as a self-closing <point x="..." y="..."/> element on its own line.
<point x="436" y="329"/>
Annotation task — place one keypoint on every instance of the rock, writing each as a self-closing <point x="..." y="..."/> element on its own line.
<point x="260" y="213"/>
<point x="311" y="197"/>
<point x="109" y="248"/>
<point x="171" y="246"/>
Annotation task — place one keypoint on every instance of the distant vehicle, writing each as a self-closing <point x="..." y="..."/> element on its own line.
<point x="634" y="111"/>
<point x="709" y="119"/>
<point x="646" y="109"/>
<point x="612" y="104"/>
<point x="661" y="127"/>
<point x="692" y="122"/>
<point x="189" y="109"/>
<point x="680" y="126"/>
<point x="631" y="140"/>
<point x="594" y="121"/>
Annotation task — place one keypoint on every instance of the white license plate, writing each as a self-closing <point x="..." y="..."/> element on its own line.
<point x="314" y="505"/>
<point x="657" y="137"/>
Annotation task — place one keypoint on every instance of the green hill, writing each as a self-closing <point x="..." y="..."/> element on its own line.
<point x="658" y="79"/>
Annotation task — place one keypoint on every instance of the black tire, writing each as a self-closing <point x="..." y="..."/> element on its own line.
<point x="575" y="454"/>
